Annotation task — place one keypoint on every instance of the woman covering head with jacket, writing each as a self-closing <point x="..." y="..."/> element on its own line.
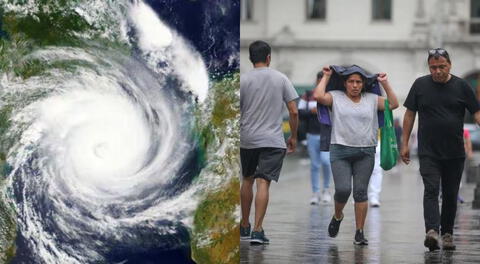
<point x="353" y="115"/>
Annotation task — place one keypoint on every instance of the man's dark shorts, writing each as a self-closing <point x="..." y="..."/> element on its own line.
<point x="264" y="163"/>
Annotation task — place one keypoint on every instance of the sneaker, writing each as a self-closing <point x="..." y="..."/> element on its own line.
<point x="360" y="238"/>
<point x="314" y="200"/>
<point x="447" y="242"/>
<point x="258" y="237"/>
<point x="334" y="226"/>
<point x="245" y="232"/>
<point x="431" y="240"/>
<point x="326" y="197"/>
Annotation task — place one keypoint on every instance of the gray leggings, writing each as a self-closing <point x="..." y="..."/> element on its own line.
<point x="358" y="166"/>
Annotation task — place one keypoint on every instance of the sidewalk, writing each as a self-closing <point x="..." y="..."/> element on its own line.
<point x="298" y="230"/>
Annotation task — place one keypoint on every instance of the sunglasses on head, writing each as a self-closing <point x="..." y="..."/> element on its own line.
<point x="438" y="51"/>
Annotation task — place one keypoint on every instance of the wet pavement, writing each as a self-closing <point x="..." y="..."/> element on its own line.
<point x="298" y="230"/>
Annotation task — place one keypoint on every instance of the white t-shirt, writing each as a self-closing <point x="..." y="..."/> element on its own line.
<point x="354" y="124"/>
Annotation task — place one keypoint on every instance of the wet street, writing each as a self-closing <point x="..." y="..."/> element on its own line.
<point x="298" y="230"/>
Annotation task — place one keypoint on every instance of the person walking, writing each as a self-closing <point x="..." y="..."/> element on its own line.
<point x="354" y="137"/>
<point x="263" y="93"/>
<point x="307" y="108"/>
<point x="375" y="185"/>
<point x="440" y="98"/>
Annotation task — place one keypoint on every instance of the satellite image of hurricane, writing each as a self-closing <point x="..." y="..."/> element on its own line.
<point x="119" y="131"/>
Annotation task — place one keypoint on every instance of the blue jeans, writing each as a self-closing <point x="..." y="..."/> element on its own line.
<point x="318" y="158"/>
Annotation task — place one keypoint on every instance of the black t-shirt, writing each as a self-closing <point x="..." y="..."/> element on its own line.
<point x="441" y="110"/>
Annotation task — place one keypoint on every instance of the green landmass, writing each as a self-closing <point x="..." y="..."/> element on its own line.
<point x="7" y="229"/>
<point x="53" y="27"/>
<point x="7" y="219"/>
<point x="215" y="235"/>
<point x="215" y="224"/>
<point x="55" y="23"/>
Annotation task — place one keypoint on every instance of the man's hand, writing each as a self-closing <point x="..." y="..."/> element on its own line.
<point x="405" y="154"/>
<point x="469" y="154"/>
<point x="291" y="145"/>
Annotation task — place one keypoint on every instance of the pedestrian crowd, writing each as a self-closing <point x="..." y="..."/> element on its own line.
<point x="342" y="118"/>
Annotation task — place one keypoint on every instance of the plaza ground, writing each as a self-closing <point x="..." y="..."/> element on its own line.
<point x="298" y="230"/>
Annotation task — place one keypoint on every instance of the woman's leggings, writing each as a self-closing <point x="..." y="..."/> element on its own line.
<point x="359" y="167"/>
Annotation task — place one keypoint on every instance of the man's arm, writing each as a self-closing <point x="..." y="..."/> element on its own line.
<point x="293" y="122"/>
<point x="408" y="121"/>
<point x="468" y="147"/>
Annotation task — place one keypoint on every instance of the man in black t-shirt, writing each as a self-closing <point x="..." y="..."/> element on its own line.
<point x="440" y="99"/>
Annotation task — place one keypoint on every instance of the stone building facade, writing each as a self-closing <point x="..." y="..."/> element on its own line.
<point x="390" y="36"/>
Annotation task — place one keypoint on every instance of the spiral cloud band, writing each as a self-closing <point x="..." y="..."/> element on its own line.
<point x="105" y="137"/>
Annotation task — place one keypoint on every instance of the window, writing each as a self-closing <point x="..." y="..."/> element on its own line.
<point x="316" y="9"/>
<point x="381" y="9"/>
<point x="475" y="17"/>
<point x="246" y="10"/>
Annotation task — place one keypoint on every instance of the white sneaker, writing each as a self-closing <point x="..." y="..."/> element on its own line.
<point x="314" y="200"/>
<point x="326" y="196"/>
<point x="374" y="203"/>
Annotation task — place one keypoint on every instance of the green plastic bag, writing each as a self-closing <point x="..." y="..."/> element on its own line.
<point x="388" y="141"/>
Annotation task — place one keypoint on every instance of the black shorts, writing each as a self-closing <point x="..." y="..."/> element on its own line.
<point x="264" y="163"/>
